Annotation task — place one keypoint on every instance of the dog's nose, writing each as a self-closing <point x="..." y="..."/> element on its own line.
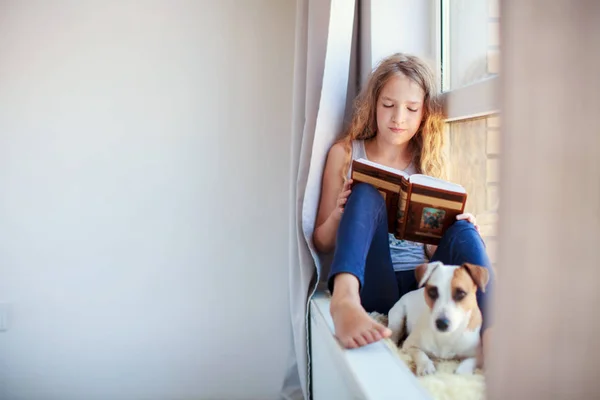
<point x="442" y="324"/>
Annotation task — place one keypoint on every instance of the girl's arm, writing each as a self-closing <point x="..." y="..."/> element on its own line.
<point x="332" y="191"/>
<point x="429" y="250"/>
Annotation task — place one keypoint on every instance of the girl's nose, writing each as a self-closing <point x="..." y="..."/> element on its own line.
<point x="399" y="115"/>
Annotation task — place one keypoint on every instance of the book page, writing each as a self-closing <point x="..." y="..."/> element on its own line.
<point x="402" y="201"/>
<point x="437" y="183"/>
<point x="383" y="167"/>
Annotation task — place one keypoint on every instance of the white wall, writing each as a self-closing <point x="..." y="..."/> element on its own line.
<point x="390" y="26"/>
<point x="143" y="240"/>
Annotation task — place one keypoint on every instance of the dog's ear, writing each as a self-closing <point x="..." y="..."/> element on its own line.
<point x="423" y="272"/>
<point x="480" y="275"/>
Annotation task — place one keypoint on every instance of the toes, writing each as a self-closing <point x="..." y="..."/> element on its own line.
<point x="349" y="343"/>
<point x="385" y="332"/>
<point x="368" y="336"/>
<point x="376" y="335"/>
<point x="360" y="340"/>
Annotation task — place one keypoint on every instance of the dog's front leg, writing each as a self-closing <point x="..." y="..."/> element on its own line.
<point x="424" y="364"/>
<point x="396" y="323"/>
<point x="467" y="366"/>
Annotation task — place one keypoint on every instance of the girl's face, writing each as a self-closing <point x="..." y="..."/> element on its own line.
<point x="399" y="110"/>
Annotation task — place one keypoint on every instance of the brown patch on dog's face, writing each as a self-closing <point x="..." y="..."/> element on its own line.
<point x="431" y="295"/>
<point x="480" y="275"/>
<point x="463" y="293"/>
<point x="420" y="272"/>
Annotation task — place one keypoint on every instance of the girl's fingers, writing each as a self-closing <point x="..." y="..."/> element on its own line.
<point x="343" y="197"/>
<point x="468" y="216"/>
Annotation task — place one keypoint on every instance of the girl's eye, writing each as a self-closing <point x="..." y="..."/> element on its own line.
<point x="413" y="109"/>
<point x="388" y="105"/>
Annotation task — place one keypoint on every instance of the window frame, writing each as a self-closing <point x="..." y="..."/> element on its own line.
<point x="478" y="99"/>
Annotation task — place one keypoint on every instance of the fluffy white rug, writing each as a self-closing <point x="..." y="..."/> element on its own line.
<point x="444" y="384"/>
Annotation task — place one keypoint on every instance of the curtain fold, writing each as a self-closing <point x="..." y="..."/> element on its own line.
<point x="324" y="33"/>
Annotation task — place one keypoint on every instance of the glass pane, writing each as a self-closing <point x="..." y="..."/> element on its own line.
<point x="471" y="41"/>
<point x="473" y="151"/>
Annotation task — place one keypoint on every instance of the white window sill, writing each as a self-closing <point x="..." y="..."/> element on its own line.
<point x="370" y="372"/>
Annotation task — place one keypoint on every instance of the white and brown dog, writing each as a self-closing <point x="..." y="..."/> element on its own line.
<point x="442" y="319"/>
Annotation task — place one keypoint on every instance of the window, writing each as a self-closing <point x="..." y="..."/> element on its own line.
<point x="468" y="48"/>
<point x="468" y="53"/>
<point x="470" y="41"/>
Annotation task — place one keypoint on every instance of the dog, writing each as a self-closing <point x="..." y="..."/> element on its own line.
<point x="441" y="318"/>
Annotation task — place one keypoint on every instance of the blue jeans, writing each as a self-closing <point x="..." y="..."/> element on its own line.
<point x="362" y="249"/>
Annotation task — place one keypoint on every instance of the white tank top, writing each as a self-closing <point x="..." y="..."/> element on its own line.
<point x="406" y="255"/>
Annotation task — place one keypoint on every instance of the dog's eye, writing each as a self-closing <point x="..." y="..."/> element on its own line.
<point x="432" y="292"/>
<point x="459" y="295"/>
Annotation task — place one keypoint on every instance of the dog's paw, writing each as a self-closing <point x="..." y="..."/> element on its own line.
<point x="467" y="366"/>
<point x="425" y="367"/>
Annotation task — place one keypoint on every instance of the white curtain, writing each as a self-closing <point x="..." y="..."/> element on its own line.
<point x="324" y="31"/>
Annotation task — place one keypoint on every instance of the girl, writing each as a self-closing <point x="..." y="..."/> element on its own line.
<point x="397" y="122"/>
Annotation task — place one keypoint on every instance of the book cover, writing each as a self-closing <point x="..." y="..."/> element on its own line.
<point x="420" y="208"/>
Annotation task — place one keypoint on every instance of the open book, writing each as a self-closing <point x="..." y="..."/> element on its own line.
<point x="420" y="208"/>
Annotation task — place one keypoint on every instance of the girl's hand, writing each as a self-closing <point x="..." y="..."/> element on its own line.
<point x="341" y="200"/>
<point x="469" y="217"/>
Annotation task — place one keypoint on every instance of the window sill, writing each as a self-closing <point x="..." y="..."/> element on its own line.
<point x="370" y="372"/>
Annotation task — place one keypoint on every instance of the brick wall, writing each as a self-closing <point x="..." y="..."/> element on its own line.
<point x="473" y="153"/>
<point x="473" y="150"/>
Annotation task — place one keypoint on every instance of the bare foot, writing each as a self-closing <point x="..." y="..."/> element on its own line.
<point x="353" y="326"/>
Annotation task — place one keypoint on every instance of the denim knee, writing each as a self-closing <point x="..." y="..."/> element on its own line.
<point x="461" y="227"/>
<point x="367" y="191"/>
<point x="463" y="238"/>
